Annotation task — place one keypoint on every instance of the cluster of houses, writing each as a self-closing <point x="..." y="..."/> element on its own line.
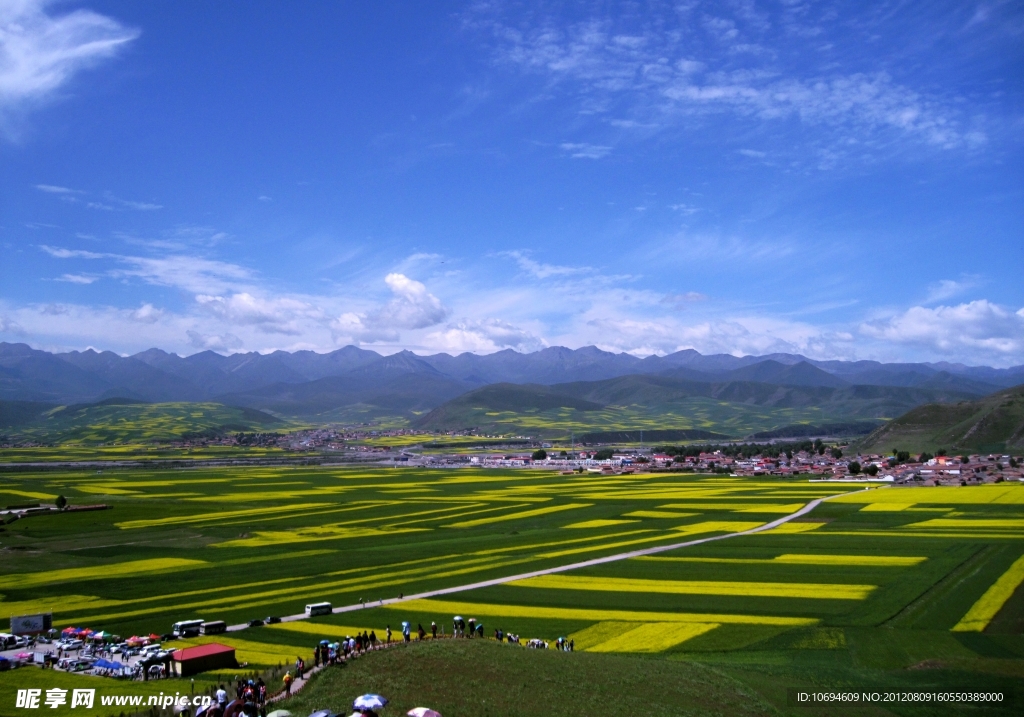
<point x="941" y="470"/>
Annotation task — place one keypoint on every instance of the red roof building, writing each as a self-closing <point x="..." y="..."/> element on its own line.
<point x="202" y="658"/>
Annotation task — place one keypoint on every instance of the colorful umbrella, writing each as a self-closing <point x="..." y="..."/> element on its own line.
<point x="369" y="702"/>
<point x="423" y="712"/>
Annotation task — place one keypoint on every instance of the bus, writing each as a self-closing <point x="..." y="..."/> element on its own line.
<point x="215" y="627"/>
<point x="319" y="608"/>
<point x="187" y="628"/>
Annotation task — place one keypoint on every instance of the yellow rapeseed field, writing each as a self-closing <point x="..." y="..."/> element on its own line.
<point x="658" y="514"/>
<point x="217" y="517"/>
<point x="871" y="560"/>
<point x="818" y="591"/>
<point x="602" y="632"/>
<point x="984" y="523"/>
<point x="1006" y="493"/>
<point x="320" y="630"/>
<point x="519" y="515"/>
<point x="653" y="637"/>
<point x="794" y="527"/>
<point x="599" y="523"/>
<point x="989" y="604"/>
<point x="442" y="607"/>
<point x="117" y="570"/>
<point x="263" y="538"/>
<point x="799" y="559"/>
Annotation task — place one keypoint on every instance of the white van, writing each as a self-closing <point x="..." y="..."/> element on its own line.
<point x="319" y="608"/>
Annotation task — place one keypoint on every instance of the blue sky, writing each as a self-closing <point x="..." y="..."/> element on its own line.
<point x="842" y="180"/>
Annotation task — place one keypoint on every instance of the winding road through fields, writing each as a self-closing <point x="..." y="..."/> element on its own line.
<point x="565" y="568"/>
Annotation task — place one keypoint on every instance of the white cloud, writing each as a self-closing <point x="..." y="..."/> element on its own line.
<point x="947" y="289"/>
<point x="683" y="299"/>
<point x="485" y="336"/>
<point x="977" y="328"/>
<point x="654" y="79"/>
<point x="76" y="279"/>
<point x="54" y="189"/>
<point x="270" y="315"/>
<point x="9" y="326"/>
<point x="40" y="51"/>
<point x="413" y="307"/>
<point x="61" y="253"/>
<point x="540" y="270"/>
<point x="147" y="314"/>
<point x="137" y="206"/>
<point x="582" y="150"/>
<point x="214" y="342"/>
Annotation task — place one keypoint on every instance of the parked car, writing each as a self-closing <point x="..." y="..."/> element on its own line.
<point x="272" y="620"/>
<point x="72" y="644"/>
<point x="151" y="649"/>
<point x="255" y="623"/>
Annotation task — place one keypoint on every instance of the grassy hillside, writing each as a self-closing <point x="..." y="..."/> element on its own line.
<point x="119" y="421"/>
<point x="649" y="403"/>
<point x="993" y="423"/>
<point x="479" y="677"/>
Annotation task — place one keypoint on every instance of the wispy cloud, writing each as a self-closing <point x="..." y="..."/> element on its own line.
<point x="41" y="51"/>
<point x="948" y="288"/>
<point x="649" y="70"/>
<point x="77" y="196"/>
<point x="76" y="279"/>
<point x="582" y="150"/>
<point x="541" y="270"/>
<point x="54" y="189"/>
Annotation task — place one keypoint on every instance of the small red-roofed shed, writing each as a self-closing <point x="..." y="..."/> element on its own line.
<point x="202" y="658"/>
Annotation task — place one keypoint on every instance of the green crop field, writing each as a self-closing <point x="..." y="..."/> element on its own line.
<point x="112" y="421"/>
<point x="732" y="419"/>
<point x="912" y="589"/>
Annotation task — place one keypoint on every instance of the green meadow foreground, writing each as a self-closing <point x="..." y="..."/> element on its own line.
<point x="887" y="589"/>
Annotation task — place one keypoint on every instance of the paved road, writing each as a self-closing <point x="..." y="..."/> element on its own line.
<point x="565" y="568"/>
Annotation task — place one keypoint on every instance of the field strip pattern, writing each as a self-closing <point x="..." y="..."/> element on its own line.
<point x="989" y="604"/>
<point x="575" y="566"/>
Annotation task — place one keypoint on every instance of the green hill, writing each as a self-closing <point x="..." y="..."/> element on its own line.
<point x="990" y="424"/>
<point x="120" y="420"/>
<point x="663" y="403"/>
<point x="478" y="677"/>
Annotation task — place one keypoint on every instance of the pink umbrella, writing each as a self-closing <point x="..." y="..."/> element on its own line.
<point x="24" y="655"/>
<point x="423" y="712"/>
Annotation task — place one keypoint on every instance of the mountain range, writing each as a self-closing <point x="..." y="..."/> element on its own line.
<point x="354" y="384"/>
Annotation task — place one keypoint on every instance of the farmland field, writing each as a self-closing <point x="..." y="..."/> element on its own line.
<point x="881" y="589"/>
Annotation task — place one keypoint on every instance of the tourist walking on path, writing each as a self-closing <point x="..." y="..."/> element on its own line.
<point x="288" y="683"/>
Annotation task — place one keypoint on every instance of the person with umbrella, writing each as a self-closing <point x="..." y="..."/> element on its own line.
<point x="405" y="631"/>
<point x="367" y="705"/>
<point x="433" y="630"/>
